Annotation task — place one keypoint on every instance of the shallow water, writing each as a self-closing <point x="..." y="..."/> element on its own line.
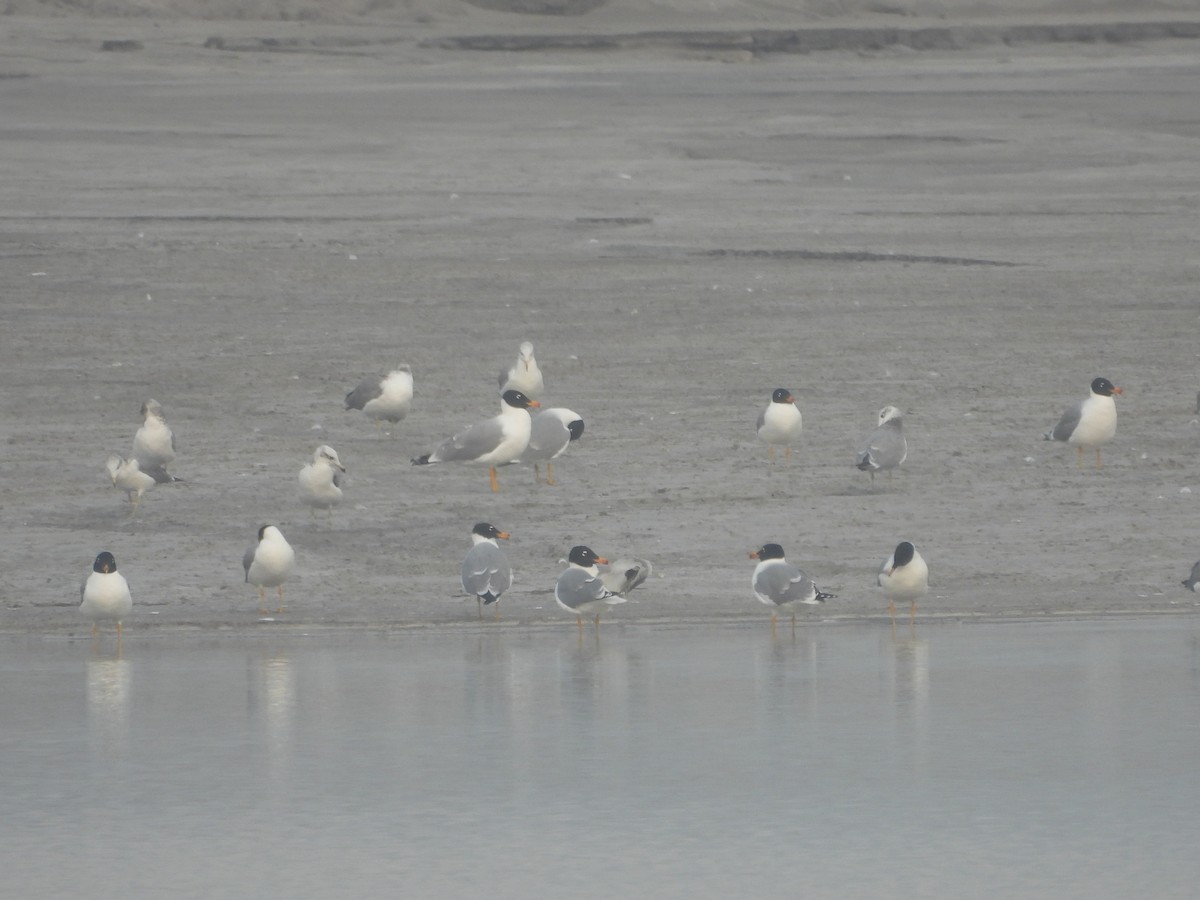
<point x="1041" y="759"/>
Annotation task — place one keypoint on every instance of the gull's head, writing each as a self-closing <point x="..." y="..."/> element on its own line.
<point x="328" y="455"/>
<point x="1105" y="388"/>
<point x="105" y="563"/>
<point x="889" y="414"/>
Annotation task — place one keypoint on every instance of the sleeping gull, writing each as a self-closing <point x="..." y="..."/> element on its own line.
<point x="384" y="398"/>
<point x="551" y="433"/>
<point x="127" y="475"/>
<point x="523" y="375"/>
<point x="104" y="593"/>
<point x="486" y="572"/>
<point x="580" y="589"/>
<point x="154" y="443"/>
<point x="268" y="563"/>
<point x="492" y="442"/>
<point x="321" y="481"/>
<point x="1089" y="423"/>
<point x="904" y="576"/>
<point x="778" y="583"/>
<point x="780" y="423"/>
<point x="886" y="447"/>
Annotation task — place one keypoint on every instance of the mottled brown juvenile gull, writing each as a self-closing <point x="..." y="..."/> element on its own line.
<point x="492" y="442"/>
<point x="486" y="572"/>
<point x="1090" y="422"/>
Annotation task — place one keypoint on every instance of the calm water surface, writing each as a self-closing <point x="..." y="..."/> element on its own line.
<point x="1053" y="759"/>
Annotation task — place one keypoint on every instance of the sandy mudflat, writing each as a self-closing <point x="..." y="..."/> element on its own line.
<point x="243" y="233"/>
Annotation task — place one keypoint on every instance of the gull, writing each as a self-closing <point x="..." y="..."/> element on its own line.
<point x="780" y="423"/>
<point x="1090" y="422"/>
<point x="777" y="582"/>
<point x="886" y="447"/>
<point x="523" y="375"/>
<point x="320" y="480"/>
<point x="551" y="433"/>
<point x="154" y="443"/>
<point x="1194" y="579"/>
<point x="580" y="590"/>
<point x="486" y="572"/>
<point x="384" y="398"/>
<point x="127" y="475"/>
<point x="491" y="442"/>
<point x="268" y="563"/>
<point x="904" y="576"/>
<point x="622" y="575"/>
<point x="104" y="593"/>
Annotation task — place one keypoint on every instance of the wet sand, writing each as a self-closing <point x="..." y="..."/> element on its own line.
<point x="243" y="234"/>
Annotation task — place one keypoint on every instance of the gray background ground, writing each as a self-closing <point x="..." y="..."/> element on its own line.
<point x="243" y="233"/>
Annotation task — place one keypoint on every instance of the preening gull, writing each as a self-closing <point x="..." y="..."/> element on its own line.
<point x="384" y="398"/>
<point x="885" y="448"/>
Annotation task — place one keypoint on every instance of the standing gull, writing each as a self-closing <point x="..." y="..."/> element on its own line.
<point x="384" y="398"/>
<point x="486" y="572"/>
<point x="904" y="576"/>
<point x="780" y="423"/>
<point x="492" y="442"/>
<point x="886" y="447"/>
<point x="778" y="583"/>
<point x="268" y="563"/>
<point x="1090" y="422"/>
<point x="128" y="476"/>
<point x="154" y="443"/>
<point x="523" y="375"/>
<point x="320" y="480"/>
<point x="551" y="433"/>
<point x="104" y="593"/>
<point x="580" y="589"/>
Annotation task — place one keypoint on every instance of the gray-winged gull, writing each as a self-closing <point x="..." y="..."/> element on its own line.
<point x="551" y="432"/>
<point x="778" y="583"/>
<point x="524" y="375"/>
<point x="384" y="398"/>
<point x="580" y="590"/>
<point x="885" y="448"/>
<point x="268" y="563"/>
<point x="321" y="480"/>
<point x="492" y="442"/>
<point x="486" y="572"/>
<point x="1089" y="423"/>
<point x="154" y="443"/>
<point x="128" y="476"/>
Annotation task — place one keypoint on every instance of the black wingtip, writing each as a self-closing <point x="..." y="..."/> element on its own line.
<point x="421" y="460"/>
<point x="822" y="596"/>
<point x="863" y="466"/>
